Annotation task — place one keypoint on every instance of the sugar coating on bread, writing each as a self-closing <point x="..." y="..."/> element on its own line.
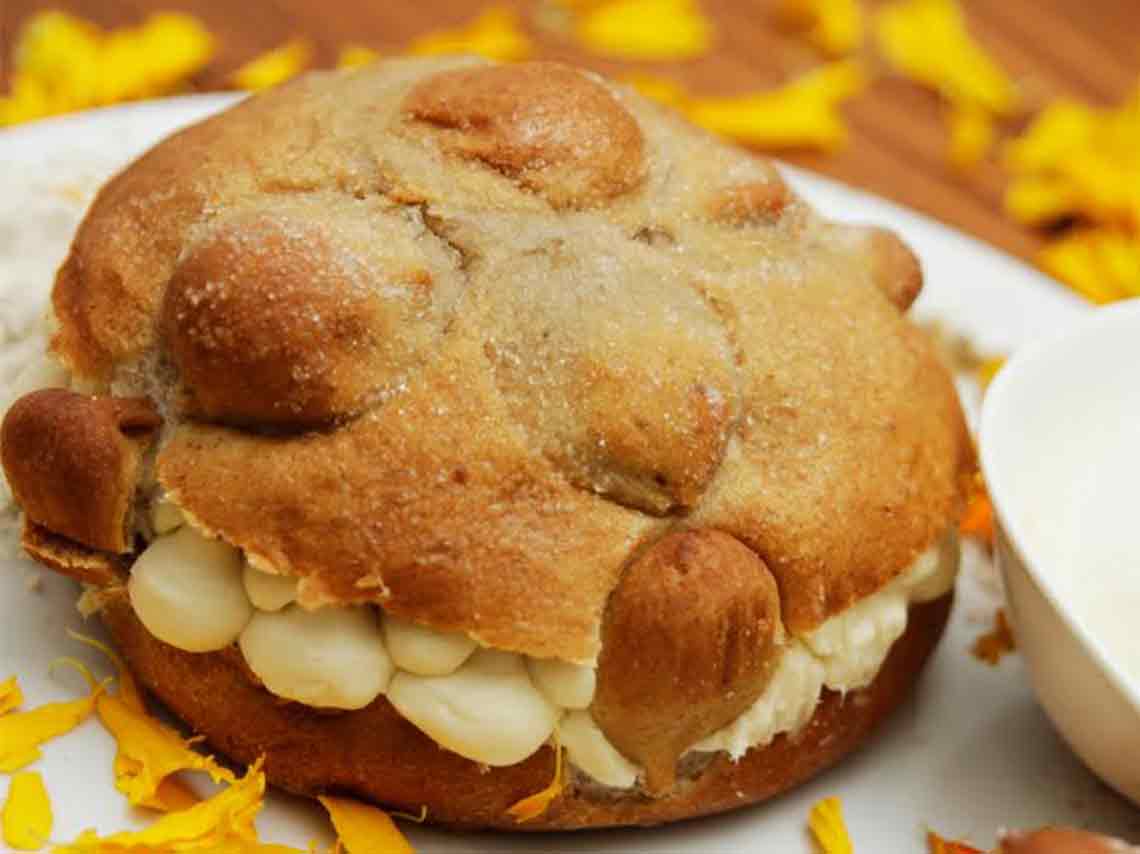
<point x="459" y="339"/>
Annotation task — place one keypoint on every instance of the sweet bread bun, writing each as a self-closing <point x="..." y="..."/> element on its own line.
<point x="440" y="411"/>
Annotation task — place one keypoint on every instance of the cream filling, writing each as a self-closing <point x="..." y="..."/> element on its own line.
<point x="487" y="705"/>
<point x="844" y="653"/>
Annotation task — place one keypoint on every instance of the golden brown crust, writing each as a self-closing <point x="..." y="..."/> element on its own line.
<point x="753" y="203"/>
<point x="73" y="462"/>
<point x="552" y="128"/>
<point x="689" y="642"/>
<point x="314" y="341"/>
<point x="70" y="558"/>
<point x="851" y="460"/>
<point x="541" y="367"/>
<point x="450" y="522"/>
<point x="377" y="755"/>
<point x="895" y="268"/>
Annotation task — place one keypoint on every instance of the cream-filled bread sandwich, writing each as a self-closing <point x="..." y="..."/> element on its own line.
<point x="409" y="423"/>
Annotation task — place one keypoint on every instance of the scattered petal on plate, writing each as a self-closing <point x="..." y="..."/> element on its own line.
<point x="533" y="806"/>
<point x="495" y="34"/>
<point x="995" y="644"/>
<point x="988" y="369"/>
<point x="654" y="30"/>
<point x="971" y="134"/>
<point x="364" y="829"/>
<point x="927" y="40"/>
<point x="938" y="845"/>
<point x="802" y="114"/>
<point x="1102" y="264"/>
<point x="22" y="733"/>
<point x="356" y="55"/>
<point x="27" y="816"/>
<point x="833" y="26"/>
<point x="273" y="67"/>
<point x="222" y="823"/>
<point x="11" y="697"/>
<point x="978" y="520"/>
<point x="149" y="752"/>
<point x="828" y="828"/>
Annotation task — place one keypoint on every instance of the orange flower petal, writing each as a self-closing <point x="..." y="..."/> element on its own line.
<point x="533" y="806"/>
<point x="11" y="697"/>
<point x="495" y="34"/>
<point x="802" y="114"/>
<point x="222" y="823"/>
<point x="274" y="66"/>
<point x="828" y="827"/>
<point x="23" y="733"/>
<point x="652" y="30"/>
<point x="927" y="40"/>
<point x="833" y="26"/>
<point x="356" y="55"/>
<point x="27" y="818"/>
<point x="938" y="845"/>
<point x="364" y="829"/>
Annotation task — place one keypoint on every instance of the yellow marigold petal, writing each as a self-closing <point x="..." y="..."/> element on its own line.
<point x="128" y="688"/>
<point x="988" y="369"/>
<point x="364" y="829"/>
<point x="61" y="51"/>
<point x="655" y="30"/>
<point x="11" y="697"/>
<point x="169" y="47"/>
<point x="1101" y="264"/>
<point x="1040" y="199"/>
<point x="971" y="135"/>
<point x="660" y="89"/>
<point x="1061" y="128"/>
<point x="535" y="805"/>
<point x="274" y="66"/>
<point x="494" y="34"/>
<point x="149" y="752"/>
<point x="1078" y="161"/>
<point x="978" y="518"/>
<point x="834" y="26"/>
<point x="828" y="828"/>
<point x="22" y="733"/>
<point x="927" y="40"/>
<point x="172" y="795"/>
<point x="27" y="100"/>
<point x="27" y="818"/>
<point x="63" y="63"/>
<point x="356" y="55"/>
<point x="802" y="114"/>
<point x="224" y="822"/>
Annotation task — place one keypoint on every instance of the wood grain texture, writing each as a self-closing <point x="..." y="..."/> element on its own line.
<point x="1089" y="49"/>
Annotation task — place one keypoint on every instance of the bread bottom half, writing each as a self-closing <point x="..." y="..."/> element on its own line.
<point x="376" y="755"/>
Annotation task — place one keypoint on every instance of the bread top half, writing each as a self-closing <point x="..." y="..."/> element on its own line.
<point x="465" y="340"/>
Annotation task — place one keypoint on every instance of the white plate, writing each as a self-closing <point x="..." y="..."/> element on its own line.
<point x="971" y="752"/>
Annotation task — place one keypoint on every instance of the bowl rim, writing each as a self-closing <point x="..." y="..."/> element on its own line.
<point x="995" y="419"/>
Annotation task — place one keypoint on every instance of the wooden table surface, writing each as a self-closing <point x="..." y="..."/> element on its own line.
<point x="1090" y="49"/>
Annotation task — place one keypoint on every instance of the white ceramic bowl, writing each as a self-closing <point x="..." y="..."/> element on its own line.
<point x="1060" y="444"/>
